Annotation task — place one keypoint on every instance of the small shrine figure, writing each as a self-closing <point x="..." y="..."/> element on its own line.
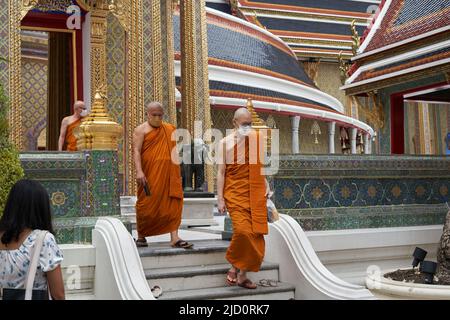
<point x="345" y="141"/>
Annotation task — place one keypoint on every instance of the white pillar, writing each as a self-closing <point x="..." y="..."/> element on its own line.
<point x="331" y="133"/>
<point x="295" y="124"/>
<point x="353" y="134"/>
<point x="367" y="143"/>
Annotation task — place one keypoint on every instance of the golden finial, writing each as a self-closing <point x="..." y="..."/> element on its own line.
<point x="257" y="123"/>
<point x="355" y="38"/>
<point x="343" y="68"/>
<point x="98" y="131"/>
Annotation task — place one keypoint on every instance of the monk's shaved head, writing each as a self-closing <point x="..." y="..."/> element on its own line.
<point x="241" y="112"/>
<point x="154" y="105"/>
<point x="78" y="104"/>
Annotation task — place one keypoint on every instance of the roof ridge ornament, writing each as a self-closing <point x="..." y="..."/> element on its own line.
<point x="355" y="38"/>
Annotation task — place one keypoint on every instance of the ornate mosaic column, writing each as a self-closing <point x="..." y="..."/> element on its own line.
<point x="194" y="71"/>
<point x="4" y="44"/>
<point x="158" y="54"/>
<point x="168" y="63"/>
<point x="98" y="49"/>
<point x="135" y="97"/>
<point x="17" y="10"/>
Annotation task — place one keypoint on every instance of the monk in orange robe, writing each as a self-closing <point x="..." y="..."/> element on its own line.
<point x="67" y="140"/>
<point x="242" y="190"/>
<point x="160" y="195"/>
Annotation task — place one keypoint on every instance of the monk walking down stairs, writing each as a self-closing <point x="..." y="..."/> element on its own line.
<point x="242" y="191"/>
<point x="160" y="196"/>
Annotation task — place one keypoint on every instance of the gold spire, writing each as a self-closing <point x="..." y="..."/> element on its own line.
<point x="258" y="123"/>
<point x="98" y="131"/>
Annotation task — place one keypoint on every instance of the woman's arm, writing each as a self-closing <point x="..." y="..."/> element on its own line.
<point x="56" y="283"/>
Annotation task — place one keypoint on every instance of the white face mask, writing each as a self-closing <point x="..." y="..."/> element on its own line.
<point x="84" y="113"/>
<point x="244" y="130"/>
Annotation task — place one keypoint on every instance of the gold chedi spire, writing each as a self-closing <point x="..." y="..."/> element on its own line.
<point x="258" y="123"/>
<point x="98" y="131"/>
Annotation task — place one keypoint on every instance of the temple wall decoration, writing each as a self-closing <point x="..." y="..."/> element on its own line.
<point x="4" y="44"/>
<point x="307" y="140"/>
<point x="115" y="75"/>
<point x="34" y="104"/>
<point x="158" y="50"/>
<point x="167" y="48"/>
<point x="388" y="192"/>
<point x="328" y="81"/>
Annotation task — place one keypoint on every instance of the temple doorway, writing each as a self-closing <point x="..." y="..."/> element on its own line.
<point x="51" y="76"/>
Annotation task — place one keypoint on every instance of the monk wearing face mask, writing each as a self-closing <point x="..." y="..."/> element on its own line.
<point x="67" y="140"/>
<point x="242" y="190"/>
<point x="160" y="195"/>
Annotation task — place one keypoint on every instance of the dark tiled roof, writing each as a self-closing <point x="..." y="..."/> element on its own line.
<point x="409" y="63"/>
<point x="228" y="44"/>
<point x="312" y="24"/>
<point x="231" y="89"/>
<point x="308" y="26"/>
<point x="224" y="7"/>
<point x="408" y="18"/>
<point x="344" y="5"/>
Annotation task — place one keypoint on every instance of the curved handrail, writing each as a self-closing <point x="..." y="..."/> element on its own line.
<point x="119" y="273"/>
<point x="288" y="245"/>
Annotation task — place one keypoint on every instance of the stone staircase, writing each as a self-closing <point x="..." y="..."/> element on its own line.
<point x="200" y="273"/>
<point x="128" y="209"/>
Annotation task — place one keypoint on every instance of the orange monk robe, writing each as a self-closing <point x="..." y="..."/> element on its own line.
<point x="244" y="193"/>
<point x="70" y="140"/>
<point x="160" y="212"/>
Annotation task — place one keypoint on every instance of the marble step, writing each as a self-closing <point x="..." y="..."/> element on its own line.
<point x="201" y="276"/>
<point x="283" y="291"/>
<point x="204" y="252"/>
<point x="128" y="210"/>
<point x="128" y="200"/>
<point x="81" y="295"/>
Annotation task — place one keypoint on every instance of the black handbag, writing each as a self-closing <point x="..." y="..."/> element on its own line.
<point x="28" y="293"/>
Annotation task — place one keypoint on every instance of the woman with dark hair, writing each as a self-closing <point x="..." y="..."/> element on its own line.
<point x="27" y="213"/>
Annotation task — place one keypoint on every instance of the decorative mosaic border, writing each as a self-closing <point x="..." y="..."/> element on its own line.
<point x="82" y="186"/>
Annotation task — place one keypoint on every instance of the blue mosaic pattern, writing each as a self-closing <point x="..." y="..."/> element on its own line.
<point x="293" y="193"/>
<point x="105" y="183"/>
<point x="415" y="9"/>
<point x="341" y="5"/>
<point x="229" y="45"/>
<point x="223" y="7"/>
<point x="82" y="186"/>
<point x="230" y="87"/>
<point x="308" y="26"/>
<point x="345" y="192"/>
<point x="70" y="190"/>
<point x="399" y="63"/>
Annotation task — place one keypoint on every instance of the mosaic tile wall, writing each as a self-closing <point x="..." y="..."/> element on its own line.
<point x="34" y="99"/>
<point x="4" y="42"/>
<point x="115" y="73"/>
<point x="329" y="81"/>
<point x="82" y="186"/>
<point x="147" y="39"/>
<point x="341" y="192"/>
